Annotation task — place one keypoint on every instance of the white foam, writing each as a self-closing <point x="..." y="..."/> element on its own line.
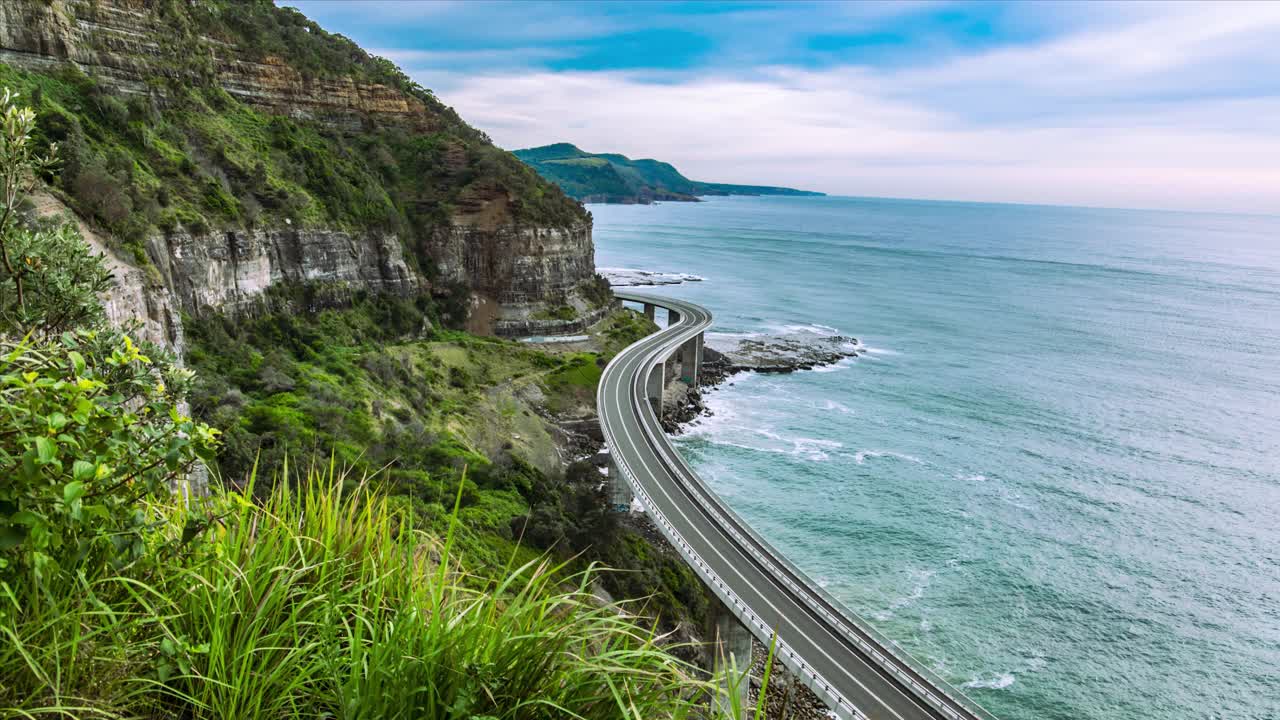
<point x="860" y="456"/>
<point x="880" y="351"/>
<point x="810" y="328"/>
<point x="917" y="590"/>
<point x="999" y="682"/>
<point x="836" y="406"/>
<point x="630" y="277"/>
<point x="836" y="366"/>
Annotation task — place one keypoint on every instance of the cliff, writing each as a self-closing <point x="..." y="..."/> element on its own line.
<point x="614" y="178"/>
<point x="224" y="148"/>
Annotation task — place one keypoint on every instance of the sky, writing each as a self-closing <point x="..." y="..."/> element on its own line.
<point x="1149" y="105"/>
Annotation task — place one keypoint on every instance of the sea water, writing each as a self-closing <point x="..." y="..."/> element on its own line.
<point x="1055" y="476"/>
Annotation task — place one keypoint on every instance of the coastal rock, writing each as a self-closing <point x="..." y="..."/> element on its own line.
<point x="731" y="355"/>
<point x="519" y="278"/>
<point x="630" y="277"/>
<point x="783" y="353"/>
<point x="785" y="698"/>
<point x="230" y="271"/>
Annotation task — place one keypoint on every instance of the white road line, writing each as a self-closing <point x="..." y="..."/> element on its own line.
<point x="645" y="356"/>
<point x="731" y="566"/>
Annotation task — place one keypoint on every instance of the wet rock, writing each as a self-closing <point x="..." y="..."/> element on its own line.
<point x="787" y="353"/>
<point x="763" y="354"/>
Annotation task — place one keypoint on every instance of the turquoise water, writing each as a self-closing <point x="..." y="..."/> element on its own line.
<point x="1056" y="477"/>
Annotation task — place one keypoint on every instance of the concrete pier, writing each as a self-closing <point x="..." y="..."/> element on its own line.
<point x="731" y="653"/>
<point x="691" y="360"/>
<point x="673" y="317"/>
<point x="654" y="385"/>
<point x="620" y="492"/>
<point x="649" y="311"/>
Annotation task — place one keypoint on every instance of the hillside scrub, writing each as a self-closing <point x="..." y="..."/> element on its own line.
<point x="317" y="594"/>
<point x="188" y="156"/>
<point x="365" y="385"/>
<point x="324" y="600"/>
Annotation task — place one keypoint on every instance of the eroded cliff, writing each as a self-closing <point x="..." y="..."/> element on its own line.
<point x="224" y="148"/>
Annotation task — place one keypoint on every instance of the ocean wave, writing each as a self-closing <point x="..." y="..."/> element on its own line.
<point x="860" y="456"/>
<point x="923" y="578"/>
<point x="726" y="430"/>
<point x="999" y="682"/>
<point x="836" y="366"/>
<point x="879" y="351"/>
<point x="807" y="329"/>
<point x="837" y="407"/>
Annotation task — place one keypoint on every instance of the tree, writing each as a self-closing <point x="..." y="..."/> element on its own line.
<point x="90" y="421"/>
<point x="20" y="170"/>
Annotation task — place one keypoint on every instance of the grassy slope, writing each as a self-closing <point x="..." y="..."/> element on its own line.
<point x="325" y="600"/>
<point x="366" y="387"/>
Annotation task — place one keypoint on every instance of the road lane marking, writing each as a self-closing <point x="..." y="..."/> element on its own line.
<point x="778" y="573"/>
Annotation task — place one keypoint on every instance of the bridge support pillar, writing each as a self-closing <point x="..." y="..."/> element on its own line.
<point x="620" y="493"/>
<point x="731" y="658"/>
<point x="673" y="317"/>
<point x="691" y="360"/>
<point x="649" y="311"/>
<point x="654" y="385"/>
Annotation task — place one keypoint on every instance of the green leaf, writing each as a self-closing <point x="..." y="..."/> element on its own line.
<point x="83" y="471"/>
<point x="57" y="421"/>
<point x="77" y="361"/>
<point x="24" y="517"/>
<point x="46" y="450"/>
<point x="11" y="537"/>
<point x="72" y="491"/>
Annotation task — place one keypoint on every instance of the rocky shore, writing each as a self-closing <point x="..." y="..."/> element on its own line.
<point x="726" y="356"/>
<point x="630" y="277"/>
<point x="785" y="698"/>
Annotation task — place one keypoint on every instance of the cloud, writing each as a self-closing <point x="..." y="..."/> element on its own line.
<point x="835" y="130"/>
<point x="1177" y="108"/>
<point x="452" y="61"/>
<point x="1119" y="104"/>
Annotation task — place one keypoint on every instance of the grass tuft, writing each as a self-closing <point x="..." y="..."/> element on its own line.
<point x="324" y="600"/>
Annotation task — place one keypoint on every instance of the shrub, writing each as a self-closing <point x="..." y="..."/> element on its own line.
<point x="100" y="194"/>
<point x="93" y="423"/>
<point x="59" y="280"/>
<point x="92" y="428"/>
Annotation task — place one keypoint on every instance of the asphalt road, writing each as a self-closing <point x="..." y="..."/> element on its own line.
<point x="858" y="672"/>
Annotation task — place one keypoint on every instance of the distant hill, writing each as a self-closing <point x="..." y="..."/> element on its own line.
<point x="614" y="178"/>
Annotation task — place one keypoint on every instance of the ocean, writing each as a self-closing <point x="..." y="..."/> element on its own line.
<point x="1054" y="477"/>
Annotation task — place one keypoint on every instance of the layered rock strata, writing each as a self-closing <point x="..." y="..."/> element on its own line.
<point x="515" y="274"/>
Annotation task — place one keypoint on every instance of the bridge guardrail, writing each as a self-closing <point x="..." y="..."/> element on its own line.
<point x="903" y="666"/>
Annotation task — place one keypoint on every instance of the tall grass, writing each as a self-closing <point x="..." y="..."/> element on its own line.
<point x="324" y="601"/>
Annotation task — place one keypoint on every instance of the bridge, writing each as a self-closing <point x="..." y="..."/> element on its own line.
<point x="855" y="670"/>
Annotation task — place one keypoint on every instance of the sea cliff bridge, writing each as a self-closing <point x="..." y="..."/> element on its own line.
<point x="856" y="671"/>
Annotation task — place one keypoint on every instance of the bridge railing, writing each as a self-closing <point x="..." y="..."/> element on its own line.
<point x="906" y="668"/>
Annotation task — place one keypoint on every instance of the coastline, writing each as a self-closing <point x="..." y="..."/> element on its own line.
<point x="683" y="405"/>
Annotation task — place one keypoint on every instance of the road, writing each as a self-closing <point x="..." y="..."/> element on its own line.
<point x="859" y="673"/>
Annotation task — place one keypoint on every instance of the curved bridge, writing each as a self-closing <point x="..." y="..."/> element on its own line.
<point x="859" y="673"/>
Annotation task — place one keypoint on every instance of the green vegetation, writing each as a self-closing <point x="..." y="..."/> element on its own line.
<point x="319" y="594"/>
<point x="624" y="328"/>
<point x="323" y="601"/>
<point x="356" y="384"/>
<point x="610" y="177"/>
<point x="563" y="312"/>
<point x="189" y="156"/>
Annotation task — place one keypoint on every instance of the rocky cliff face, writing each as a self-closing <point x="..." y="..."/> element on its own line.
<point x="515" y="272"/>
<point x="123" y="44"/>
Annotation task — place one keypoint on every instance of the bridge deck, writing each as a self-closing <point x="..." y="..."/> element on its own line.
<point x="858" y="672"/>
